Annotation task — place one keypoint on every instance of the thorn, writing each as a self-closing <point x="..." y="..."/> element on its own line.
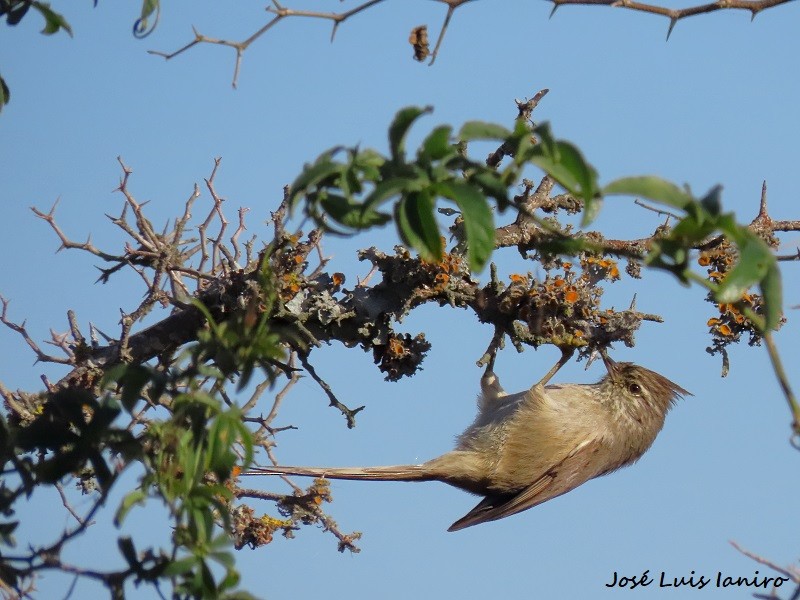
<point x="672" y="22"/>
<point x="762" y="209"/>
<point x="592" y="357"/>
<point x="633" y="303"/>
<point x="753" y="13"/>
<point x="333" y="31"/>
<point x="553" y="12"/>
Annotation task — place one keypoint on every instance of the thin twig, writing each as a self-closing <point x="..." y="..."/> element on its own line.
<point x="791" y="574"/>
<point x="349" y="414"/>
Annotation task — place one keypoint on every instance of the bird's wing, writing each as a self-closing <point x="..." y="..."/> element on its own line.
<point x="562" y="477"/>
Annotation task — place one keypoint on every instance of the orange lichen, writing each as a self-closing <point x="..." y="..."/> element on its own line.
<point x="396" y="347"/>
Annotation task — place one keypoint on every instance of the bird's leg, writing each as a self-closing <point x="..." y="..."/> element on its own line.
<point x="490" y="384"/>
<point x="566" y="354"/>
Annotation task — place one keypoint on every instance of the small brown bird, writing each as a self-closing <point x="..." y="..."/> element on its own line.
<point x="526" y="448"/>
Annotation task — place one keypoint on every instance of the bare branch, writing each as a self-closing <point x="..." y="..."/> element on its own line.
<point x="349" y="414"/>
<point x="792" y="573"/>
<point x="418" y="36"/>
<point x="20" y="329"/>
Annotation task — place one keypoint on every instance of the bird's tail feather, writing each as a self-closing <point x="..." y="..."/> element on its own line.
<point x="393" y="473"/>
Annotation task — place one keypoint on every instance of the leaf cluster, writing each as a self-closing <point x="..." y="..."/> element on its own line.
<point x="703" y="217"/>
<point x="189" y="460"/>
<point x="347" y="196"/>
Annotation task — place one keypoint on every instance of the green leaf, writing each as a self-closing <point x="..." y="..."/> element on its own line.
<point x="755" y="261"/>
<point x="492" y="185"/>
<point x="369" y="163"/>
<point x="246" y="439"/>
<point x="369" y="218"/>
<point x="521" y="142"/>
<point x="416" y="223"/>
<point x="113" y="375"/>
<point x="479" y="130"/>
<point x="209" y="585"/>
<point x="650" y="187"/>
<point x="134" y="498"/>
<point x="148" y="8"/>
<point x="478" y="221"/>
<point x="189" y="459"/>
<point x="399" y="129"/>
<point x="693" y="228"/>
<point x="226" y="559"/>
<point x="323" y="168"/>
<point x="437" y="145"/>
<point x="388" y="189"/>
<point x="53" y="21"/>
<point x="591" y="208"/>
<point x="564" y="162"/>
<point x="772" y="295"/>
<point x="197" y="399"/>
<point x="181" y="566"/>
<point x="203" y="522"/>
<point x="352" y="214"/>
<point x="546" y="139"/>
<point x="141" y="28"/>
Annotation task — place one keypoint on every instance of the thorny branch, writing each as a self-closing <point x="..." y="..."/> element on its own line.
<point x="419" y="35"/>
<point x="676" y="14"/>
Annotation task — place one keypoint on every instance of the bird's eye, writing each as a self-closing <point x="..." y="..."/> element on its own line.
<point x="635" y="388"/>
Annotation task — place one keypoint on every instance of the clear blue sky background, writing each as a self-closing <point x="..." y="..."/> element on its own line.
<point x="715" y="104"/>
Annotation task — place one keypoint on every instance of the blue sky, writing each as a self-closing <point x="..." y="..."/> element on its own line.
<point x="715" y="104"/>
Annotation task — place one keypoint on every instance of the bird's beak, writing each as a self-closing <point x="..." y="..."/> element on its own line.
<point x="610" y="364"/>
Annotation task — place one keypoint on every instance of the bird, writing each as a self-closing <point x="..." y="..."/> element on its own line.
<point x="529" y="447"/>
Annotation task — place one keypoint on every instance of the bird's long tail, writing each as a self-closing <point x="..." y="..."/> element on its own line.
<point x="394" y="473"/>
